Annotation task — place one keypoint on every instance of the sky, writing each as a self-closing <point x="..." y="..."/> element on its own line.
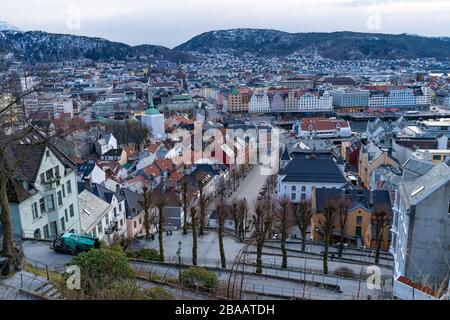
<point x="172" y="22"/>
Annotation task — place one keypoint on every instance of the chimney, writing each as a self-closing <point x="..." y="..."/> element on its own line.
<point x="371" y="198"/>
<point x="442" y="142"/>
<point x="118" y="188"/>
<point x="87" y="184"/>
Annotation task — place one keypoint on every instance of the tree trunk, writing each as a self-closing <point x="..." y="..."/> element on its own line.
<point x="202" y="214"/>
<point x="259" y="249"/>
<point x="325" y="255"/>
<point x="283" y="250"/>
<point x="221" y="248"/>
<point x="160" y="235"/>
<point x="378" y="249"/>
<point x="5" y="219"/>
<point x="185" y="221"/>
<point x="341" y="244"/>
<point x="304" y="240"/>
<point x="194" y="241"/>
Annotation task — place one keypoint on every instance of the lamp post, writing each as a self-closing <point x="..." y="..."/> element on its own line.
<point x="179" y="260"/>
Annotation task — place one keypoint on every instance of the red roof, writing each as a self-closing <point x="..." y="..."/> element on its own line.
<point x="153" y="171"/>
<point x="417" y="286"/>
<point x="321" y="124"/>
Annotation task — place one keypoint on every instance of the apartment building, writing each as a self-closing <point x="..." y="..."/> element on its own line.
<point x="314" y="102"/>
<point x="54" y="103"/>
<point x="350" y="100"/>
<point x="45" y="201"/>
<point x="420" y="236"/>
<point x="259" y="103"/>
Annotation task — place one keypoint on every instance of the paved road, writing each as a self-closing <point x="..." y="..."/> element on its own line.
<point x="252" y="283"/>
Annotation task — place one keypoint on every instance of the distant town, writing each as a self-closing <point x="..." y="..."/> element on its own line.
<point x="260" y="177"/>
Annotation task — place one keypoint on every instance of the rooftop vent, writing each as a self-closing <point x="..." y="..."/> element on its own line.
<point x="416" y="192"/>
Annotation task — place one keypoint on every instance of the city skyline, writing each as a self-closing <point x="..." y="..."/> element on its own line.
<point x="173" y="22"/>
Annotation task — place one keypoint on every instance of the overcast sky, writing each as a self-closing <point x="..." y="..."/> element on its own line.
<point x="172" y="22"/>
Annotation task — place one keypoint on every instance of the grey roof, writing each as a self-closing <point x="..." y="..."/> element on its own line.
<point x="285" y="156"/>
<point x="105" y="194"/>
<point x="415" y="191"/>
<point x="133" y="202"/>
<point x="113" y="153"/>
<point x="417" y="167"/>
<point x="313" y="170"/>
<point x="357" y="198"/>
<point x="92" y="209"/>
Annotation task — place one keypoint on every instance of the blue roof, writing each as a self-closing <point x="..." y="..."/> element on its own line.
<point x="313" y="170"/>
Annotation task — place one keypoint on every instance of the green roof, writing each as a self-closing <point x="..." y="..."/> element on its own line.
<point x="152" y="112"/>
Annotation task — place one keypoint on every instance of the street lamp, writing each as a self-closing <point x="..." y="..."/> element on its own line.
<point x="179" y="260"/>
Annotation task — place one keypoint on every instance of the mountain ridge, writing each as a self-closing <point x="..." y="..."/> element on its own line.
<point x="339" y="45"/>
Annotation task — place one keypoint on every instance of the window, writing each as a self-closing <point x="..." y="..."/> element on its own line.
<point x="66" y="215"/>
<point x="437" y="158"/>
<point x="294" y="188"/>
<point x="63" y="225"/>
<point x="72" y="213"/>
<point x="100" y="227"/>
<point x="42" y="177"/>
<point x="115" y="212"/>
<point x="121" y="222"/>
<point x="107" y="220"/>
<point x="42" y="205"/>
<point x="57" y="171"/>
<point x="120" y="207"/>
<point x="303" y="196"/>
<point x="140" y="220"/>
<point x="359" y="219"/>
<point x="60" y="201"/>
<point x="49" y="174"/>
<point x="448" y="209"/>
<point x="69" y="187"/>
<point x="135" y="224"/>
<point x="47" y="153"/>
<point x="293" y="196"/>
<point x="50" y="202"/>
<point x="46" y="232"/>
<point x="303" y="189"/>
<point x="63" y="188"/>
<point x="34" y="209"/>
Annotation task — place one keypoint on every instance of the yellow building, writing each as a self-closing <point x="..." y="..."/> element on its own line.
<point x="360" y="226"/>
<point x="237" y="101"/>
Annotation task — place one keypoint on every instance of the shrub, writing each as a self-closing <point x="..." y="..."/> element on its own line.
<point x="344" y="272"/>
<point x="158" y="293"/>
<point x="131" y="291"/>
<point x="197" y="277"/>
<point x="145" y="254"/>
<point x="101" y="267"/>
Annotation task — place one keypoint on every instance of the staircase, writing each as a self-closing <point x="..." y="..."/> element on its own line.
<point x="37" y="286"/>
<point x="47" y="291"/>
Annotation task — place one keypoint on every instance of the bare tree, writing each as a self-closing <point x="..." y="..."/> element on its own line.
<point x="194" y="235"/>
<point x="147" y="205"/>
<point x="235" y="215"/>
<point x="221" y="216"/>
<point x="160" y="204"/>
<point x="202" y="202"/>
<point x="302" y="216"/>
<point x="381" y="220"/>
<point x="284" y="219"/>
<point x="184" y="202"/>
<point x="343" y="205"/>
<point x="242" y="213"/>
<point x="262" y="223"/>
<point x="327" y="225"/>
